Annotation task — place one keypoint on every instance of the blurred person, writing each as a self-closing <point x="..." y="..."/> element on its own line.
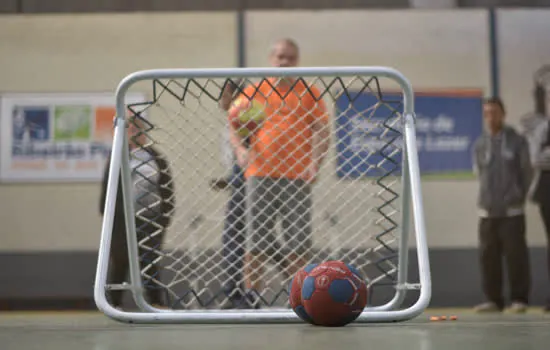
<point x="531" y="123"/>
<point x="234" y="227"/>
<point x="539" y="193"/>
<point x="503" y="167"/>
<point x="281" y="164"/>
<point x="153" y="195"/>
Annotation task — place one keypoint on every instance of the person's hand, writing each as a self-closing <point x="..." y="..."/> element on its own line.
<point x="226" y="99"/>
<point x="242" y="157"/>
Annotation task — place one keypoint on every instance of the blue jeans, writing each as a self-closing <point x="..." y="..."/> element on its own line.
<point x="234" y="232"/>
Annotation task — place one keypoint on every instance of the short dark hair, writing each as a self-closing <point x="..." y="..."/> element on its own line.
<point x="495" y="100"/>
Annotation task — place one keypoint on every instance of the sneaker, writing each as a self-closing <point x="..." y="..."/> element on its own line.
<point x="487" y="307"/>
<point x="161" y="307"/>
<point x="248" y="301"/>
<point x="518" y="307"/>
<point x="231" y="303"/>
<point x="234" y="296"/>
<point x="251" y="301"/>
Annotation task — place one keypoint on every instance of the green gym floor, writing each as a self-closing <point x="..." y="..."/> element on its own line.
<point x="93" y="331"/>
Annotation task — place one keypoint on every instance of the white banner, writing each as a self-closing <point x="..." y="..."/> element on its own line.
<point x="56" y="137"/>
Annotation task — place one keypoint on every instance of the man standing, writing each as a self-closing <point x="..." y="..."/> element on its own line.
<point x="281" y="164"/>
<point x="234" y="227"/>
<point x="502" y="163"/>
<point x="539" y="140"/>
<point x="234" y="235"/>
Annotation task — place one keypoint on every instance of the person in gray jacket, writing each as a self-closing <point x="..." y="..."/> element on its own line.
<point x="539" y="192"/>
<point x="502" y="164"/>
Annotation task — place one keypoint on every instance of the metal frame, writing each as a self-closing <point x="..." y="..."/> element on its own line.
<point x="412" y="201"/>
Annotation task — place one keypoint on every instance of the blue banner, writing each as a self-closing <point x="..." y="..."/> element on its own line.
<point x="369" y="133"/>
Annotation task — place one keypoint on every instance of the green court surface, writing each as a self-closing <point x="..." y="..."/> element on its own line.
<point x="93" y="331"/>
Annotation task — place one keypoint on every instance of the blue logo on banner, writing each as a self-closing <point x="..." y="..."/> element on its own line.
<point x="31" y="124"/>
<point x="369" y="136"/>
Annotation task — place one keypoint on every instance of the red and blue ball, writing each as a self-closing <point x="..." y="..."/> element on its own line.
<point x="333" y="294"/>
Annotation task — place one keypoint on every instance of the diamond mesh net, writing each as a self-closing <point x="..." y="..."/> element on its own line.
<point x="202" y="229"/>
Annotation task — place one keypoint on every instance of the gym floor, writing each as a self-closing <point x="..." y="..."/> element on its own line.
<point x="93" y="331"/>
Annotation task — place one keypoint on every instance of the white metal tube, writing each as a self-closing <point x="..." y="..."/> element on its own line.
<point x="412" y="179"/>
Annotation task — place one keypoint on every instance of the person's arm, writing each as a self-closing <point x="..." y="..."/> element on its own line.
<point x="241" y="152"/>
<point x="540" y="155"/>
<point x="238" y="146"/>
<point x="166" y="188"/>
<point x="103" y="193"/>
<point x="228" y="94"/>
<point x="526" y="167"/>
<point x="321" y="139"/>
<point x="320" y="125"/>
<point x="476" y="166"/>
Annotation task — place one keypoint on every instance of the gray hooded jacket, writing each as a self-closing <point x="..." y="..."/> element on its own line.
<point x="539" y="143"/>
<point x="502" y="164"/>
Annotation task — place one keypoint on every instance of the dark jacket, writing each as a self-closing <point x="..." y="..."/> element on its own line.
<point x="540" y="156"/>
<point x="503" y="166"/>
<point x="166" y="190"/>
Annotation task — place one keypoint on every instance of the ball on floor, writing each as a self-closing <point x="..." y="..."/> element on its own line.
<point x="334" y="294"/>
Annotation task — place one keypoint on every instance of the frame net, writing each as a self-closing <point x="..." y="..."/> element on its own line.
<point x="196" y="259"/>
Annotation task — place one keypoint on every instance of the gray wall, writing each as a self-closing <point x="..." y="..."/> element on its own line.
<point x="68" y="6"/>
<point x="92" y="52"/>
<point x="9" y="6"/>
<point x="80" y="53"/>
<point x="65" y="279"/>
